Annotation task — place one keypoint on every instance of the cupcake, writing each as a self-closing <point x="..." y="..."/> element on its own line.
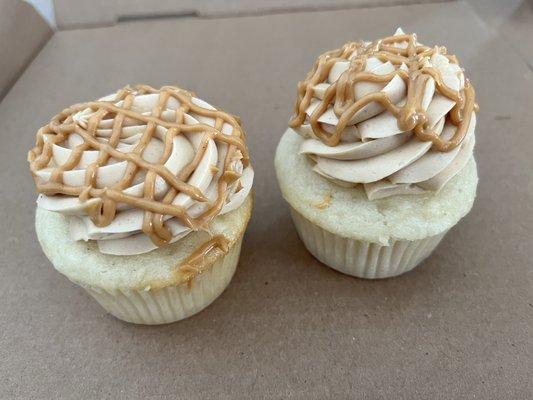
<point x="144" y="197"/>
<point x="377" y="163"/>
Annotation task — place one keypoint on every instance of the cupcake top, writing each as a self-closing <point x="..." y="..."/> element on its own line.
<point x="141" y="168"/>
<point x="393" y="115"/>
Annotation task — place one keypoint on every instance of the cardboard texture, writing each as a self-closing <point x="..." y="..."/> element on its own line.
<point x="458" y="326"/>
<point x="513" y="19"/>
<point x="77" y="13"/>
<point x="16" y="54"/>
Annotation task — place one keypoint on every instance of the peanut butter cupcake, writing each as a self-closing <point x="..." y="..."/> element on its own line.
<point x="144" y="197"/>
<point x="377" y="164"/>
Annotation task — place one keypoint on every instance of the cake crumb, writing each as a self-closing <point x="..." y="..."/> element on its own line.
<point x="324" y="203"/>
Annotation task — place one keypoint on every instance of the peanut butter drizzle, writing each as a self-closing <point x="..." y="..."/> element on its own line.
<point x="324" y="203"/>
<point x="103" y="213"/>
<point x="193" y="263"/>
<point x="410" y="117"/>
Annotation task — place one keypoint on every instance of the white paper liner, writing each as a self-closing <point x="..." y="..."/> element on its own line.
<point x="359" y="258"/>
<point x="172" y="303"/>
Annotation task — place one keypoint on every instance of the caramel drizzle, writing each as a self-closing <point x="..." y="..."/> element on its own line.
<point x="193" y="263"/>
<point x="410" y="117"/>
<point x="104" y="211"/>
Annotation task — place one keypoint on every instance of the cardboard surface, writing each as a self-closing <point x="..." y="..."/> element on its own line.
<point x="18" y="45"/>
<point x="513" y="19"/>
<point x="78" y="13"/>
<point x="458" y="326"/>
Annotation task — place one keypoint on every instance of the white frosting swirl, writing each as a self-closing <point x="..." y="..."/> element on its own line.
<point x="124" y="235"/>
<point x="373" y="150"/>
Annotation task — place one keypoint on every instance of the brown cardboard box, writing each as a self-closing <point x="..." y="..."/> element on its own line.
<point x="18" y="45"/>
<point x="458" y="326"/>
<point x="78" y="13"/>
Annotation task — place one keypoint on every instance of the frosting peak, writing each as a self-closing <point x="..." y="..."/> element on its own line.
<point x="141" y="168"/>
<point x="394" y="115"/>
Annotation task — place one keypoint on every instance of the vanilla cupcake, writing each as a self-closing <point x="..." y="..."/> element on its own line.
<point x="144" y="197"/>
<point x="377" y="164"/>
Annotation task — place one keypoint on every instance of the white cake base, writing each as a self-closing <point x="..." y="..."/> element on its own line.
<point x="172" y="303"/>
<point x="363" y="259"/>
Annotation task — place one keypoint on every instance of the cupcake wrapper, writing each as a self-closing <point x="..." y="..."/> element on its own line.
<point x="359" y="258"/>
<point x="172" y="303"/>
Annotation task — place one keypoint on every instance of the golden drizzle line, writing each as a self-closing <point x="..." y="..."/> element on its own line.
<point x="193" y="263"/>
<point x="104" y="211"/>
<point x="411" y="116"/>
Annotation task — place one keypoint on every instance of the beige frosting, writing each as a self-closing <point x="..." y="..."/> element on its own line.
<point x="393" y="115"/>
<point x="141" y="168"/>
